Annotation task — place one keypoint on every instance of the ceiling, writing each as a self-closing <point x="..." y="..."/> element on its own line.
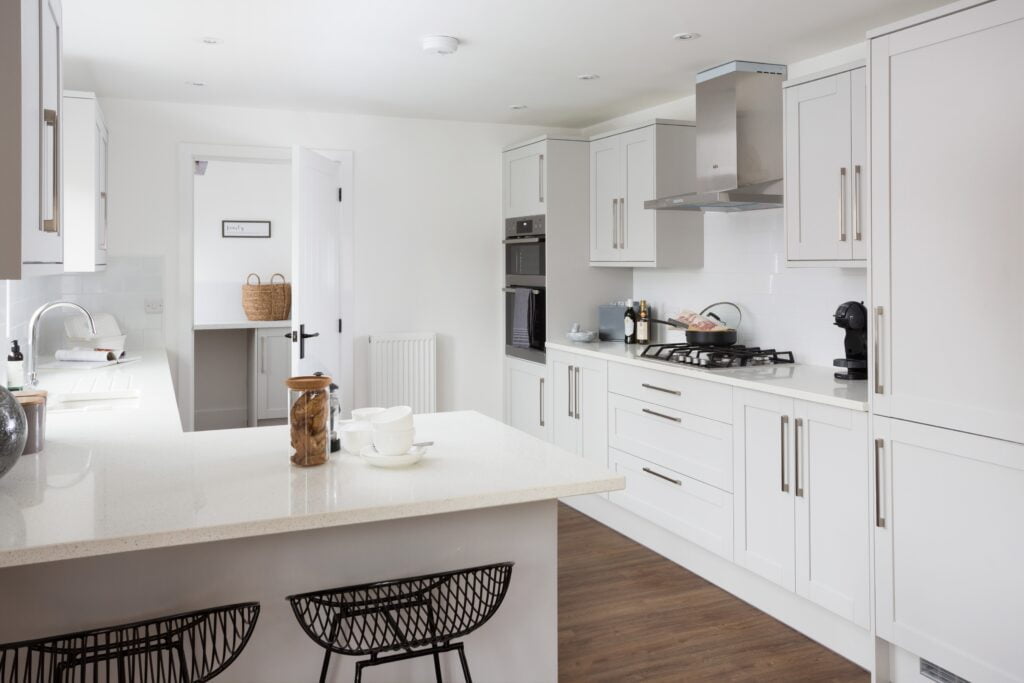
<point x="364" y="56"/>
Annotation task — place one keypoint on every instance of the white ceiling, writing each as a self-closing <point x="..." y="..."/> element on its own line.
<point x="364" y="55"/>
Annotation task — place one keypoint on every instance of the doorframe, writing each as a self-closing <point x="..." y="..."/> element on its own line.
<point x="188" y="154"/>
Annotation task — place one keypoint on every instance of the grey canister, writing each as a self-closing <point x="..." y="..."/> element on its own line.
<point x="34" y="405"/>
<point x="13" y="431"/>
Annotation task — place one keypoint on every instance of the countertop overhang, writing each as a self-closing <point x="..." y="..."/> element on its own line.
<point x="128" y="479"/>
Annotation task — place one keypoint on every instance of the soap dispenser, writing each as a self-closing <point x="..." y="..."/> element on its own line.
<point x="15" y="368"/>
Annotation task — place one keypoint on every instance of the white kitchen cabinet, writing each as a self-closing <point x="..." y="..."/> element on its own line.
<point x="31" y="202"/>
<point x="826" y="170"/>
<point x="939" y="253"/>
<point x="579" y="404"/>
<point x="948" y="555"/>
<point x="524" y="171"/>
<point x="85" y="183"/>
<point x="802" y="491"/>
<point x="273" y="367"/>
<point x="628" y="168"/>
<point x="526" y="396"/>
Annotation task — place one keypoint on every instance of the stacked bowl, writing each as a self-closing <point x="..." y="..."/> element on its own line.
<point x="390" y="430"/>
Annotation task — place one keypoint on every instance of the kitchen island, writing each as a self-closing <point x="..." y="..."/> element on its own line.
<point x="125" y="517"/>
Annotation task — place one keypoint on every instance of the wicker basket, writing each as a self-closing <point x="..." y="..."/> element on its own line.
<point x="267" y="302"/>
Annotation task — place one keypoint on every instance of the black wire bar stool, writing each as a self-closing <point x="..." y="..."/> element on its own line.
<point x="192" y="647"/>
<point x="419" y="615"/>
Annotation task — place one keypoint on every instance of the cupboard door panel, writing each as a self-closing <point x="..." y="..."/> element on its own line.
<point x="832" y="494"/>
<point x="591" y="389"/>
<point x="949" y="557"/>
<point x="524" y="397"/>
<point x="860" y="216"/>
<point x="605" y="191"/>
<point x="524" y="180"/>
<point x="565" y="428"/>
<point x="638" y="224"/>
<point x="818" y="208"/>
<point x="763" y="437"/>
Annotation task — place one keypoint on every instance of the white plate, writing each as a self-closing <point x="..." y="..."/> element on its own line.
<point x="414" y="455"/>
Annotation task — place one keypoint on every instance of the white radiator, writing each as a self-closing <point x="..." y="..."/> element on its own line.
<point x="403" y="370"/>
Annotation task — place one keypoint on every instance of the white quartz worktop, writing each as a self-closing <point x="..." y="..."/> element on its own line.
<point x="805" y="382"/>
<point x="123" y="478"/>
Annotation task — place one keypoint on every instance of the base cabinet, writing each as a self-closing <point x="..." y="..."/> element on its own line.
<point x="948" y="550"/>
<point x="802" y="486"/>
<point x="273" y="367"/>
<point x="526" y="399"/>
<point x="579" y="404"/>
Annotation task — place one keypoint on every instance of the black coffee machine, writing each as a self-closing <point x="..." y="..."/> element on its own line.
<point x="852" y="316"/>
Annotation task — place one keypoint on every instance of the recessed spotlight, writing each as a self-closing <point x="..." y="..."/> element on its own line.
<point x="516" y="107"/>
<point x="198" y="84"/>
<point x="588" y="77"/>
<point x="686" y="36"/>
<point x="211" y="40"/>
<point x="440" y="45"/>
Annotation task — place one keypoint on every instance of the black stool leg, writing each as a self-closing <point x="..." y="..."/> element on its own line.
<point x="465" y="664"/>
<point x="359" y="671"/>
<point x="437" y="668"/>
<point x="323" y="669"/>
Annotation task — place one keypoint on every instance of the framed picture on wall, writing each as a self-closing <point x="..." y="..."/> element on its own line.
<point x="245" y="228"/>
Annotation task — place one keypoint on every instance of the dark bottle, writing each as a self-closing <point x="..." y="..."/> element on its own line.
<point x="15" y="368"/>
<point x="629" y="323"/>
<point x="643" y="325"/>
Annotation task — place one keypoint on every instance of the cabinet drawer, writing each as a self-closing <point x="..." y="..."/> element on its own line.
<point x="694" y="446"/>
<point x="697" y="512"/>
<point x="707" y="399"/>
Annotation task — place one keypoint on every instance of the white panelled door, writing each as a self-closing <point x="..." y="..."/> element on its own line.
<point x="317" y="215"/>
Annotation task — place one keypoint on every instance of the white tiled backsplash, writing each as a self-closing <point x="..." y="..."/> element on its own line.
<point x="122" y="290"/>
<point x="788" y="309"/>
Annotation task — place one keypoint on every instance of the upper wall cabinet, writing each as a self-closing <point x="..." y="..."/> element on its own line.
<point x="826" y="169"/>
<point x="524" y="180"/>
<point x="628" y="168"/>
<point x="31" y="201"/>
<point x="85" y="184"/>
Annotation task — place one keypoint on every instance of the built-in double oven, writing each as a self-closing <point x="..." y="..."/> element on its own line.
<point x="525" y="279"/>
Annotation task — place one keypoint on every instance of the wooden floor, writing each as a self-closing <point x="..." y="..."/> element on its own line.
<point x="627" y="614"/>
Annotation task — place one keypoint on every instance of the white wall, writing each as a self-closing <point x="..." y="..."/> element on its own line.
<point x="238" y="190"/>
<point x="427" y="210"/>
<point x="744" y="262"/>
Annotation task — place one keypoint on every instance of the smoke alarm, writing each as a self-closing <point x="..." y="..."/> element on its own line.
<point x="440" y="45"/>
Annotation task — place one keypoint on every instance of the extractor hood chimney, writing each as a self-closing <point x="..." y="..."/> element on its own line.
<point x="739" y="140"/>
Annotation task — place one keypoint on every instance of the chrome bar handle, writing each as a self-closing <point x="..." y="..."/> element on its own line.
<point x="797" y="426"/>
<point x="569" y="389"/>
<point x="661" y="415"/>
<point x="879" y="519"/>
<point x="52" y="120"/>
<point x="879" y="386"/>
<point x="615" y="223"/>
<point x="540" y="179"/>
<point x="783" y="427"/>
<point x="662" y="476"/>
<point x="577" y="392"/>
<point x="541" y="401"/>
<point x="103" y="196"/>
<point x="856" y="204"/>
<point x="661" y="389"/>
<point x="622" y="223"/>
<point x="842" y="204"/>
<point x="263" y="354"/>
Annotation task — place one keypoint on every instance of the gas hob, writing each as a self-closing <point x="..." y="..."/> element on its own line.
<point x="716" y="356"/>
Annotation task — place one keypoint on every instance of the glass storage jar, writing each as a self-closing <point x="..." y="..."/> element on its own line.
<point x="308" y="418"/>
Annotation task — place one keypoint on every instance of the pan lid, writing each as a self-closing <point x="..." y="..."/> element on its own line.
<point x="725" y="312"/>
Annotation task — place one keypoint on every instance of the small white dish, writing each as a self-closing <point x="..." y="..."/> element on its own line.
<point x="584" y="336"/>
<point x="393" y="443"/>
<point x="355" y="436"/>
<point x="397" y="419"/>
<point x="364" y="414"/>
<point x="413" y="456"/>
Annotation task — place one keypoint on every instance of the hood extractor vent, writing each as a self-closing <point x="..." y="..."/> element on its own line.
<point x="739" y="140"/>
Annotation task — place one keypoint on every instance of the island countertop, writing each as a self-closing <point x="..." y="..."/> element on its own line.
<point x="129" y="479"/>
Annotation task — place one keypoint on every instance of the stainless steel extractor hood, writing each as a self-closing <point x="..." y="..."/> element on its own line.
<point x="739" y="140"/>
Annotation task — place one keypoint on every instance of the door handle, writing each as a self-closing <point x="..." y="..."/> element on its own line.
<point x="263" y="355"/>
<point x="856" y="203"/>
<point x="615" y="223"/>
<point x="879" y="520"/>
<point x="541" y="401"/>
<point x="661" y="415"/>
<point x="879" y="386"/>
<point x="568" y="389"/>
<point x="622" y="223"/>
<point x="797" y="426"/>
<point x="540" y="179"/>
<point x="662" y="476"/>
<point x="842" y="204"/>
<point x="783" y="426"/>
<point x="301" y="336"/>
<point x="577" y="401"/>
<point x="667" y="391"/>
<point x="52" y="120"/>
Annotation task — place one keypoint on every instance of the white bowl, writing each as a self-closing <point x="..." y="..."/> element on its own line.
<point x="393" y="443"/>
<point x="355" y="436"/>
<point x="397" y="419"/>
<point x="584" y="336"/>
<point x="414" y="455"/>
<point x="366" y="413"/>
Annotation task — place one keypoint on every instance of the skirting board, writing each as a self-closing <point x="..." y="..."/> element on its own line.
<point x="834" y="632"/>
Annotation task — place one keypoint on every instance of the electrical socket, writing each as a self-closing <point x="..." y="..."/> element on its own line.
<point x="153" y="305"/>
